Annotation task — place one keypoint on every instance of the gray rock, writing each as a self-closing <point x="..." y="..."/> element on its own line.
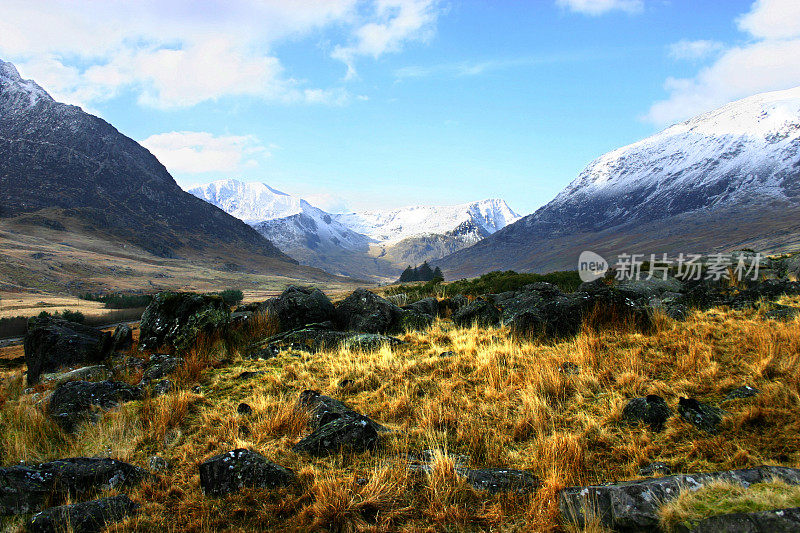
<point x="317" y="337"/>
<point x="175" y="319"/>
<point x="481" y="311"/>
<point x="701" y="415"/>
<point x="355" y="434"/>
<point x="244" y="409"/>
<point x="26" y="488"/>
<point x="163" y="387"/>
<point x="651" y="410"/>
<point x="122" y="338"/>
<point x="496" y="480"/>
<point x="777" y="521"/>
<point x="299" y="306"/>
<point x="84" y="517"/>
<point x="745" y="391"/>
<point x="53" y="343"/>
<point x="158" y="464"/>
<point x="633" y="506"/>
<point x="782" y="312"/>
<point x="237" y="469"/>
<point x="324" y="409"/>
<point x="366" y="312"/>
<point x="74" y="402"/>
<point x="86" y="373"/>
<point x="159" y="366"/>
<point x="655" y="468"/>
<point x="426" y="306"/>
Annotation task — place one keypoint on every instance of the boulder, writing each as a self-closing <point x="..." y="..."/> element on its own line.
<point x="26" y="488"/>
<point x="163" y="387"/>
<point x="481" y="312"/>
<point x="76" y="401"/>
<point x="633" y="506"/>
<point x="85" y="517"/>
<point x="426" y="306"/>
<point x="159" y="366"/>
<point x="494" y="480"/>
<point x="643" y="290"/>
<point x="237" y="469"/>
<point x="651" y="410"/>
<point x="122" y="338"/>
<point x="175" y="318"/>
<point x="699" y="414"/>
<point x="745" y="391"/>
<point x="776" y="521"/>
<point x="366" y="312"/>
<point x="53" y="343"/>
<point x="86" y="373"/>
<point x="368" y="341"/>
<point x="317" y="337"/>
<point x="299" y="306"/>
<point x="411" y="320"/>
<point x="561" y="316"/>
<point x="448" y="306"/>
<point x="355" y="434"/>
<point x="324" y="409"/>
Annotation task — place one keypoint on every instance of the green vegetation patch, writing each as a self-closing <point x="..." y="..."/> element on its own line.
<point x="723" y="498"/>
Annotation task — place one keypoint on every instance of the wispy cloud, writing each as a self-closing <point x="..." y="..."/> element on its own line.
<point x="694" y="50"/>
<point x="193" y="152"/>
<point x="769" y="61"/>
<point x="601" y="7"/>
<point x="477" y="68"/>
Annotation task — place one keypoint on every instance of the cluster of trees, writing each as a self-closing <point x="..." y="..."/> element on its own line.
<point x="424" y="272"/>
<point x="119" y="301"/>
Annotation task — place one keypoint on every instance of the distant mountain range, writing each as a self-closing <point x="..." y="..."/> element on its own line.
<point x="376" y="244"/>
<point x="61" y="167"/>
<point x="727" y="179"/>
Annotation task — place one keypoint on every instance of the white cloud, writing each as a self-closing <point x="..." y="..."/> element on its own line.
<point x="770" y="62"/>
<point x="332" y="203"/>
<point x="600" y="7"/>
<point x="197" y="151"/>
<point x="180" y="53"/>
<point x="395" y="23"/>
<point x="694" y="50"/>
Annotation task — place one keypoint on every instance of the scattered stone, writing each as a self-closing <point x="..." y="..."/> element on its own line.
<point x="346" y="383"/>
<point x="237" y="469"/>
<point x="355" y="434"/>
<point x="366" y="312"/>
<point x="777" y="521"/>
<point x="87" y="373"/>
<point x="633" y="505"/>
<point x="324" y="409"/>
<point x="701" y="415"/>
<point x="122" y="338"/>
<point x="651" y="410"/>
<point x="197" y="389"/>
<point x="481" y="312"/>
<point x="159" y="366"/>
<point x="495" y="480"/>
<point x="248" y="374"/>
<point x="84" y="517"/>
<point x="744" y="391"/>
<point x="175" y="318"/>
<point x="26" y="488"/>
<point x="74" y="402"/>
<point x="53" y="343"/>
<point x="299" y="306"/>
<point x="163" y="387"/>
<point x="447" y="354"/>
<point x="244" y="409"/>
<point x="656" y="468"/>
<point x="158" y="464"/>
<point x="569" y="368"/>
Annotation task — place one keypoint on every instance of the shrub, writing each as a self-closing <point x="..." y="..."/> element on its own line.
<point x="73" y="316"/>
<point x="231" y="296"/>
<point x="119" y="301"/>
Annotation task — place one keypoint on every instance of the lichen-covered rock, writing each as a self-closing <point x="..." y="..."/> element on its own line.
<point x="85" y="517"/>
<point x="122" y="338"/>
<point x="426" y="306"/>
<point x="77" y="401"/>
<point x="369" y="341"/>
<point x="86" y="373"/>
<point x="775" y="521"/>
<point x="237" y="469"/>
<point x="355" y="434"/>
<point x="159" y="366"/>
<point x="632" y="506"/>
<point x="299" y="306"/>
<point x="324" y="409"/>
<point x="699" y="414"/>
<point x="745" y="391"/>
<point x="651" y="410"/>
<point x="175" y="318"/>
<point x="316" y="337"/>
<point x="496" y="480"/>
<point x="481" y="312"/>
<point x="366" y="312"/>
<point x="26" y="488"/>
<point x="53" y="343"/>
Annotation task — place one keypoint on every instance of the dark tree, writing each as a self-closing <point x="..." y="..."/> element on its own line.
<point x="437" y="273"/>
<point x="408" y="274"/>
<point x="424" y="272"/>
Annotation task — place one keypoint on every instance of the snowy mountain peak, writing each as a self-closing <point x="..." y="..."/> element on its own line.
<point x="22" y="91"/>
<point x="251" y="202"/>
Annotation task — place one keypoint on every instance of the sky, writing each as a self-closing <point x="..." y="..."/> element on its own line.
<point x="377" y="104"/>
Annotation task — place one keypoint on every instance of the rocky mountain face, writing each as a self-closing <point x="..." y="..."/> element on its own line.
<point x="376" y="244"/>
<point x="728" y="178"/>
<point x="58" y="160"/>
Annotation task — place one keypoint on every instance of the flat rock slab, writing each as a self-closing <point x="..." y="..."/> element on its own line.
<point x="632" y="506"/>
<point x="242" y="468"/>
<point x="26" y="488"/>
<point x="85" y="517"/>
<point x="324" y="409"/>
<point x="318" y="337"/>
<point x="777" y="521"/>
<point x="496" y="480"/>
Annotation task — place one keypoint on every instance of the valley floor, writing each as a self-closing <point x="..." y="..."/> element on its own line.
<point x="473" y="395"/>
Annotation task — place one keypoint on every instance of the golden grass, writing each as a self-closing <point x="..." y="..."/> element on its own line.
<point x="498" y="401"/>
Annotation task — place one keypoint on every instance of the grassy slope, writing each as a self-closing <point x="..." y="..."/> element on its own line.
<point x="500" y="402"/>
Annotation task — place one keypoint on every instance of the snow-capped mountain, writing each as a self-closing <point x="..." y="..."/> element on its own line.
<point x="368" y="244"/>
<point x="480" y="219"/>
<point x="720" y="179"/>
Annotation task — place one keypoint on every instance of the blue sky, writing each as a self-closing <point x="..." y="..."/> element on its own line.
<point x="359" y="104"/>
